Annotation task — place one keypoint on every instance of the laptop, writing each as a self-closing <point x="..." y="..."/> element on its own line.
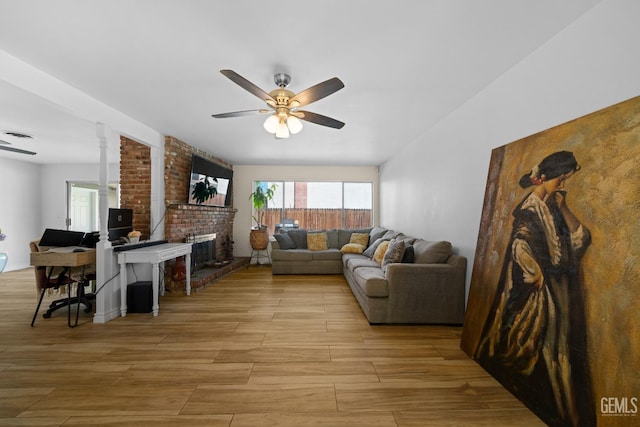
<point x="61" y="238"/>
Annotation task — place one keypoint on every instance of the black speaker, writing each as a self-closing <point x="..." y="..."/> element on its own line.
<point x="139" y="297"/>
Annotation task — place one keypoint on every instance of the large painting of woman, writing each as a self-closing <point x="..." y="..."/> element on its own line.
<point x="536" y="337"/>
<point x="552" y="310"/>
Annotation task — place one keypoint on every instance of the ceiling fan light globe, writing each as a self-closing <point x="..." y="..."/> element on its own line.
<point x="271" y="124"/>
<point x="283" y="130"/>
<point x="294" y="124"/>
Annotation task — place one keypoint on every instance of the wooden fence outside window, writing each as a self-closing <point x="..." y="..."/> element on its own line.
<point x="320" y="219"/>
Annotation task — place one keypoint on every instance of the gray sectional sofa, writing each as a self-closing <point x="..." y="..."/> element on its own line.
<point x="395" y="278"/>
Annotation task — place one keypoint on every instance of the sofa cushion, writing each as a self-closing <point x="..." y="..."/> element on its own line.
<point x="284" y="240"/>
<point x="393" y="254"/>
<point x="332" y="239"/>
<point x="431" y="252"/>
<point x="326" y="255"/>
<point x="344" y="237"/>
<point x="317" y="241"/>
<point x="356" y="262"/>
<point x="299" y="237"/>
<point x="380" y="251"/>
<point x="360" y="238"/>
<point x="292" y="255"/>
<point x="372" y="281"/>
<point x="352" y="248"/>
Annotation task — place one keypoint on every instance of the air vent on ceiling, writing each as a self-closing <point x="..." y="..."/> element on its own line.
<point x="19" y="135"/>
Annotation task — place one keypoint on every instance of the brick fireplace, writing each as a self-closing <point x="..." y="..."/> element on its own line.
<point x="181" y="219"/>
<point x="203" y="252"/>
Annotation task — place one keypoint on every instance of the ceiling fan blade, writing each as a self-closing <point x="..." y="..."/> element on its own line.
<point x="240" y="113"/>
<point x="316" y="92"/>
<point x="247" y="85"/>
<point x="16" y="150"/>
<point x="318" y="119"/>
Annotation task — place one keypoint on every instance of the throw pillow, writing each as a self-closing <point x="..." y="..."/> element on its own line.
<point x="372" y="248"/>
<point x="376" y="233"/>
<point x="299" y="237"/>
<point x="391" y="234"/>
<point x="284" y="241"/>
<point x="344" y="235"/>
<point x="393" y="254"/>
<point x="317" y="241"/>
<point x="409" y="255"/>
<point x="352" y="248"/>
<point x="379" y="253"/>
<point x="361" y="238"/>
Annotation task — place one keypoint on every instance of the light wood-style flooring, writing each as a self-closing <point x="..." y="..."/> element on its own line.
<point x="250" y="350"/>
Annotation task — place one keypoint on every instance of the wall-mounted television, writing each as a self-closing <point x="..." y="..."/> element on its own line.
<point x="208" y="175"/>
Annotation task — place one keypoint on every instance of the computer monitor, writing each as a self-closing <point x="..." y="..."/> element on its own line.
<point x="119" y="223"/>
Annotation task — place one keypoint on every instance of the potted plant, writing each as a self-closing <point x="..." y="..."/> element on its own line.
<point x="4" y="257"/>
<point x="259" y="236"/>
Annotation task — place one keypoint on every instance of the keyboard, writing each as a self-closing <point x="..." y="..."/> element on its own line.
<point x="143" y="244"/>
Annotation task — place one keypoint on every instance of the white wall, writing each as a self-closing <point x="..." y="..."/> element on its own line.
<point x="244" y="176"/>
<point x="54" y="184"/>
<point x="20" y="207"/>
<point x="434" y="188"/>
<point x="32" y="198"/>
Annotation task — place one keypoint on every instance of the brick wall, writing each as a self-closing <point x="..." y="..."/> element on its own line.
<point x="181" y="219"/>
<point x="135" y="183"/>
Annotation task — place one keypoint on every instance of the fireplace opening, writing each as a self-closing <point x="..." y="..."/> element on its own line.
<point x="203" y="250"/>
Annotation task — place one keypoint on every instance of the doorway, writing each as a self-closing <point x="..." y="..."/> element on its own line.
<point x="83" y="213"/>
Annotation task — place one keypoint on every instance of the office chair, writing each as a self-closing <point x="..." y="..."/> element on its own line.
<point x="59" y="279"/>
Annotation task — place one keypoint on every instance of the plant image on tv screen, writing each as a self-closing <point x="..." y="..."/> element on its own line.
<point x="209" y="183"/>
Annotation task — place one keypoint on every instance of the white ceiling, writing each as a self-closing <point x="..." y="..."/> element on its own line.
<point x="405" y="64"/>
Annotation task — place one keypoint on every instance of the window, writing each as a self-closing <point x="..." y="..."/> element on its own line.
<point x="319" y="205"/>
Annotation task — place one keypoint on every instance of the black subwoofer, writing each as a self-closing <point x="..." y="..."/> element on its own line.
<point x="139" y="297"/>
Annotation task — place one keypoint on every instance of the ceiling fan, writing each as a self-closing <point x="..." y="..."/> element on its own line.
<point x="4" y="144"/>
<point x="284" y="104"/>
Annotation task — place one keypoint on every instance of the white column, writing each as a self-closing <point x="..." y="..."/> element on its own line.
<point x="103" y="247"/>
<point x="103" y="132"/>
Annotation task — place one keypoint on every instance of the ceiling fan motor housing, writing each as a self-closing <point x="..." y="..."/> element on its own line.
<point x="282" y="79"/>
<point x="282" y="97"/>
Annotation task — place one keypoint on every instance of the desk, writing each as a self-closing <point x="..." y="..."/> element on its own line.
<point x="153" y="255"/>
<point x="65" y="259"/>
